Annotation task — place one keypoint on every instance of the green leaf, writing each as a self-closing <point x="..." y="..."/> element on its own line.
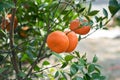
<point x="61" y="78"/>
<point x="97" y="69"/>
<point x="57" y="55"/>
<point x="36" y="68"/>
<point x="63" y="74"/>
<point x="101" y="24"/>
<point x="2" y="70"/>
<point x="105" y="12"/>
<point x="77" y="78"/>
<point x="24" y="57"/>
<point x="21" y="74"/>
<point x="95" y="75"/>
<point x="91" y="68"/>
<point x="102" y="78"/>
<point x="87" y="76"/>
<point x="69" y="57"/>
<point x="79" y="37"/>
<point x="64" y="64"/>
<point x="81" y="10"/>
<point x="114" y="7"/>
<point x="92" y="13"/>
<point x="45" y="63"/>
<point x="1" y="57"/>
<point x="89" y="9"/>
<point x="5" y="5"/>
<point x="95" y="59"/>
<point x="73" y="69"/>
<point x="77" y="53"/>
<point x="105" y="28"/>
<point x="56" y="74"/>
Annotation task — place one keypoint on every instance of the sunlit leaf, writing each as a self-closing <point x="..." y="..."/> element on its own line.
<point x="69" y="57"/>
<point x="45" y="63"/>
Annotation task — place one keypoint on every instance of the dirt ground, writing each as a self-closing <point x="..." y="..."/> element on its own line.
<point x="108" y="52"/>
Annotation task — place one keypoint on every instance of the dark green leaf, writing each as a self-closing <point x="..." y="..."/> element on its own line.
<point x="56" y="74"/>
<point x="114" y="7"/>
<point x="69" y="57"/>
<point x="45" y="63"/>
<point x="79" y="37"/>
<point x="105" y="12"/>
<point x="64" y="64"/>
<point x="77" y="53"/>
<point x="95" y="75"/>
<point x="105" y="28"/>
<point x="81" y="10"/>
<point x="5" y="5"/>
<point x="95" y="59"/>
<point x="84" y="56"/>
<point x="96" y="18"/>
<point x="1" y="57"/>
<point x="73" y="69"/>
<point x="89" y="9"/>
<point x="91" y="68"/>
<point x="101" y="24"/>
<point x="77" y="78"/>
<point x="87" y="77"/>
<point x="92" y="13"/>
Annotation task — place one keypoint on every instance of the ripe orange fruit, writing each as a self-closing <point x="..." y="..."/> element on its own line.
<point x="6" y="22"/>
<point x="73" y="40"/>
<point x="76" y="26"/>
<point x="57" y="41"/>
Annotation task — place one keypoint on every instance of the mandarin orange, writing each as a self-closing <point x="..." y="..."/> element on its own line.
<point x="76" y="26"/>
<point x="6" y="22"/>
<point x="57" y="41"/>
<point x="73" y="40"/>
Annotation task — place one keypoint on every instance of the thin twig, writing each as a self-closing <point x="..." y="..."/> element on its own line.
<point x="89" y="34"/>
<point x="47" y="68"/>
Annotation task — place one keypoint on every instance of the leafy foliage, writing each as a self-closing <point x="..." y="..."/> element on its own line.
<point x="25" y="58"/>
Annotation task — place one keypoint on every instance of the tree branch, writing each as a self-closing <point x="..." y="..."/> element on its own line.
<point x="14" y="57"/>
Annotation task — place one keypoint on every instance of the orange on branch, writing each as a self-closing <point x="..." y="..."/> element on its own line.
<point x="23" y="31"/>
<point x="6" y="22"/>
<point x="78" y="28"/>
<point x="73" y="40"/>
<point x="57" y="41"/>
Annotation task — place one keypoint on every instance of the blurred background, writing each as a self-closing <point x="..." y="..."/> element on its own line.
<point x="105" y="44"/>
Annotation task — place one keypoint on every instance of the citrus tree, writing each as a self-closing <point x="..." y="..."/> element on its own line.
<point x="34" y="32"/>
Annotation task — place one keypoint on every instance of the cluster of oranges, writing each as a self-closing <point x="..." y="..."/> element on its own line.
<point x="67" y="41"/>
<point x="5" y="25"/>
